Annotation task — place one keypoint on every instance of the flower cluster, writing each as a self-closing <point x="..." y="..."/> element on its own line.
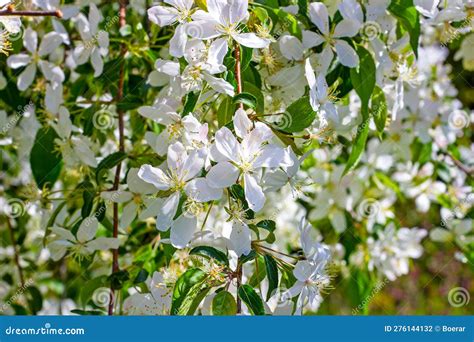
<point x="234" y="157"/>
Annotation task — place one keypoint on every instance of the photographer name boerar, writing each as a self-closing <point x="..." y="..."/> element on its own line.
<point x="449" y="328"/>
<point x="425" y="328"/>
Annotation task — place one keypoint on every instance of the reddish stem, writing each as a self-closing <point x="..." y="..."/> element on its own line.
<point x="238" y="76"/>
<point x="10" y="11"/>
<point x="120" y="112"/>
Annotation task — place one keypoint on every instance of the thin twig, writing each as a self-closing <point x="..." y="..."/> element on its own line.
<point x="239" y="282"/>
<point x="467" y="170"/>
<point x="120" y="112"/>
<point x="15" y="253"/>
<point x="11" y="12"/>
<point x="238" y="76"/>
<point x="238" y="79"/>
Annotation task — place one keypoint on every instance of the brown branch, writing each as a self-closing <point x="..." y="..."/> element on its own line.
<point x="467" y="170"/>
<point x="15" y="253"/>
<point x="10" y="11"/>
<point x="120" y="112"/>
<point x="239" y="282"/>
<point x="238" y="76"/>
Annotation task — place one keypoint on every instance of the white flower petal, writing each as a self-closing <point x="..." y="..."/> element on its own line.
<point x="241" y="238"/>
<point x="162" y="15"/>
<point x="253" y="193"/>
<point x="155" y="176"/>
<point x="199" y="190"/>
<point x="251" y="40"/>
<point x="87" y="229"/>
<point x="18" y="61"/>
<point x="346" y="54"/>
<point x="318" y="14"/>
<point x="242" y="124"/>
<point x="182" y="231"/>
<point x="178" y="42"/>
<point x="222" y="175"/>
<point x="167" y="212"/>
<point x="26" y="77"/>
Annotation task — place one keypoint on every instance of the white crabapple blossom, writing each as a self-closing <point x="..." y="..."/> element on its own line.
<point x="95" y="42"/>
<point x="76" y="149"/>
<point x="134" y="199"/>
<point x="67" y="11"/>
<point x="183" y="167"/>
<point x="51" y="72"/>
<point x="156" y="302"/>
<point x="83" y="244"/>
<point x="245" y="158"/>
<point x="223" y="19"/>
<point x="311" y="274"/>
<point x="331" y="39"/>
<point x="178" y="11"/>
<point x="238" y="143"/>
<point x="187" y="129"/>
<point x="391" y="252"/>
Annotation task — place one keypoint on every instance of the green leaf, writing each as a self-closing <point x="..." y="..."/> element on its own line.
<point x="88" y="195"/>
<point x="409" y="18"/>
<point x="245" y="98"/>
<point x="259" y="274"/>
<point x="248" y="257"/>
<point x="298" y="116"/>
<point x="225" y="112"/>
<point x="109" y="162"/>
<point x="245" y="57"/>
<point x="35" y="299"/>
<point x="379" y="109"/>
<point x="45" y="160"/>
<point x="272" y="274"/>
<point x="118" y="279"/>
<point x="303" y="7"/>
<point x="224" y="304"/>
<point x="100" y="211"/>
<point x="210" y="253"/>
<point x="186" y="287"/>
<point x="363" y="78"/>
<point x="251" y="299"/>
<point x="141" y="276"/>
<point x="358" y="146"/>
<point x="51" y="220"/>
<point x="190" y="103"/>
<point x="269" y="225"/>
<point x="289" y="22"/>
<point x="257" y="93"/>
